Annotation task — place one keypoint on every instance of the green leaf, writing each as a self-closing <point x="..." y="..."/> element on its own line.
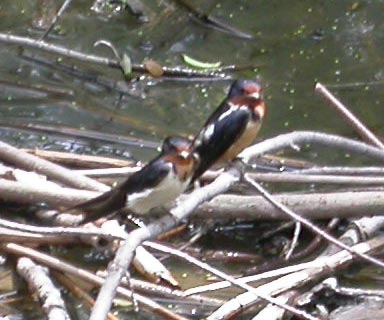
<point x="200" y="64"/>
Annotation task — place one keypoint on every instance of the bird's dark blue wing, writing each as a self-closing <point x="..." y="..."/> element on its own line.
<point x="218" y="135"/>
<point x="115" y="199"/>
<point x="148" y="177"/>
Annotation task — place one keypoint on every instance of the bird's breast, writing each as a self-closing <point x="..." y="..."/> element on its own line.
<point x="244" y="141"/>
<point x="167" y="190"/>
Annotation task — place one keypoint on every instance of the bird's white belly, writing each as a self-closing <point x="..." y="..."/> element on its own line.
<point x="169" y="189"/>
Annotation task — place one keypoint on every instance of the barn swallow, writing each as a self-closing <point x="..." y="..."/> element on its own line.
<point x="232" y="127"/>
<point x="162" y="180"/>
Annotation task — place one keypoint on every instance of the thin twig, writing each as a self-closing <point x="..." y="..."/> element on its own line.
<point x="288" y="177"/>
<point x="228" y="278"/>
<point x="342" y="170"/>
<point x="347" y="115"/>
<point x="58" y="231"/>
<point x="316" y="242"/>
<point x="41" y="45"/>
<point x="56" y="17"/>
<point x="309" y="225"/>
<point x="295" y="240"/>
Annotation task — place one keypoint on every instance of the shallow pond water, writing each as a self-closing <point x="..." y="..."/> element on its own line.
<point x="295" y="43"/>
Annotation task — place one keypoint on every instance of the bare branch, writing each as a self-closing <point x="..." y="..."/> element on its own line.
<point x="322" y="205"/>
<point x="297" y="138"/>
<point x="30" y="162"/>
<point x="40" y="284"/>
<point x="348" y="116"/>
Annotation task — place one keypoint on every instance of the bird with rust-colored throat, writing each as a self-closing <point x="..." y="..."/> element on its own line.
<point x="232" y="127"/>
<point x="161" y="181"/>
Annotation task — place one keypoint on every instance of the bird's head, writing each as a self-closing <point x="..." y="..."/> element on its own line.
<point x="180" y="151"/>
<point x="246" y="88"/>
<point x="248" y="93"/>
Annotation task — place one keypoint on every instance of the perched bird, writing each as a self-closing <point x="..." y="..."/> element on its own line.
<point x="162" y="180"/>
<point x="232" y="126"/>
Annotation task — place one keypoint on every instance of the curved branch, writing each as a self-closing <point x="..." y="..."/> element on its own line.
<point x="297" y="138"/>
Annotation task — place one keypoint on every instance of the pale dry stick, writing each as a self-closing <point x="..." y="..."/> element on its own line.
<point x="302" y="177"/>
<point x="40" y="284"/>
<point x="342" y="170"/>
<point x="11" y="235"/>
<point x="360" y="229"/>
<point x="355" y="292"/>
<point x="348" y="116"/>
<point x="168" y="293"/>
<point x="326" y="266"/>
<point x="86" y="276"/>
<point x="27" y="161"/>
<point x="152" y="268"/>
<point x="296" y="138"/>
<point x="309" y="225"/>
<point x="228" y="278"/>
<point x="348" y="204"/>
<point x="28" y="194"/>
<point x="80" y="160"/>
<point x="56" y="17"/>
<point x="288" y="177"/>
<point x="58" y="231"/>
<point x="257" y="277"/>
<point x="295" y="240"/>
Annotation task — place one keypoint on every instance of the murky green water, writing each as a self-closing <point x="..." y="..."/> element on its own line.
<point x="296" y="43"/>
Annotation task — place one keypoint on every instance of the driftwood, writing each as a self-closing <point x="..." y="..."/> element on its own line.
<point x="218" y="200"/>
<point x="224" y="205"/>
